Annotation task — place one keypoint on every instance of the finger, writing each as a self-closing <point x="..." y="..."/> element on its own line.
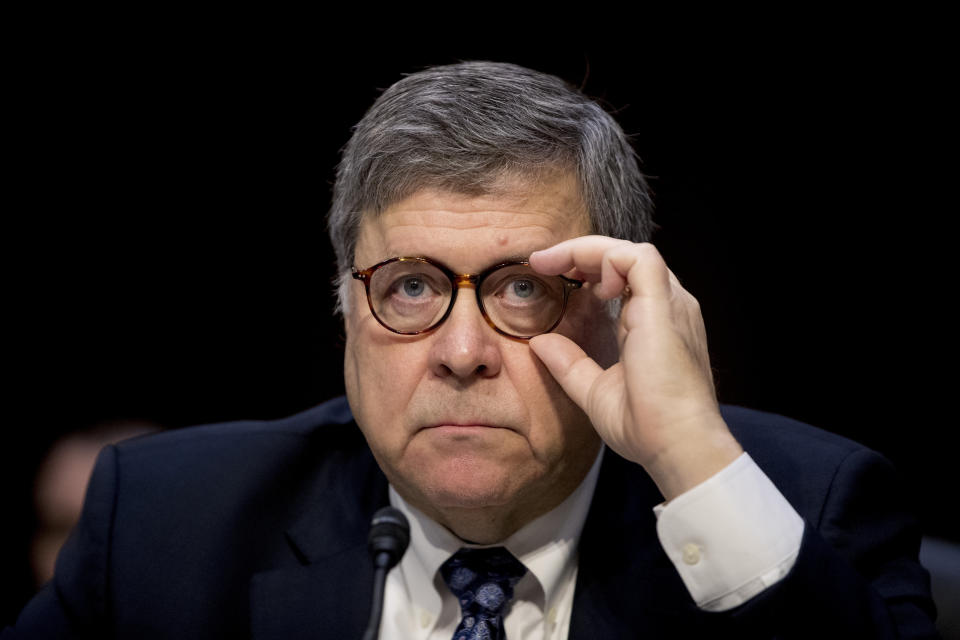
<point x="573" y="369"/>
<point x="584" y="253"/>
<point x="639" y="265"/>
<point x="617" y="262"/>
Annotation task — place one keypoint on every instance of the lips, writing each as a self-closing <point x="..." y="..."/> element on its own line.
<point x="460" y="424"/>
<point x="432" y="411"/>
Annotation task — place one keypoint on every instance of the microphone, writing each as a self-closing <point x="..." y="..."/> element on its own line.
<point x="388" y="540"/>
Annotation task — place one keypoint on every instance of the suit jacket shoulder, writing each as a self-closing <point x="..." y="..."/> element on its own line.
<point x="179" y="527"/>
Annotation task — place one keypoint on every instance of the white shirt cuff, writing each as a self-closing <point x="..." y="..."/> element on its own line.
<point x="730" y="537"/>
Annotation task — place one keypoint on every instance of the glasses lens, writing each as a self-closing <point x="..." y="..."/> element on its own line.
<point x="522" y="302"/>
<point x="409" y="295"/>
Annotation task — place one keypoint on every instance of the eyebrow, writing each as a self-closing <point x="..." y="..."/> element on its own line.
<point x="516" y="257"/>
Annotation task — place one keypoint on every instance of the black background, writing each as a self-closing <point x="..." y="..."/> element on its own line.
<point x="166" y="254"/>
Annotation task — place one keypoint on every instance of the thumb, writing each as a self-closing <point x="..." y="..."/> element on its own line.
<point x="573" y="369"/>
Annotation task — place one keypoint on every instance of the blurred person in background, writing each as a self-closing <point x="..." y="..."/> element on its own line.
<point x="60" y="486"/>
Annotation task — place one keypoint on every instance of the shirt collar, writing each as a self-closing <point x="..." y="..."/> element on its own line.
<point x="546" y="546"/>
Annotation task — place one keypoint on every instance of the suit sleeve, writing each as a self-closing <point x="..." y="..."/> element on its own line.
<point x="857" y="574"/>
<point x="76" y="603"/>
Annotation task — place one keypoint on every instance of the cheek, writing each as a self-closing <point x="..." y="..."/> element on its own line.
<point x="380" y="376"/>
<point x="558" y="427"/>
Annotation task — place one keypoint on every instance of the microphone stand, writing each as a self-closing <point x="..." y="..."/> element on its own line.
<point x="388" y="540"/>
<point x="381" y="565"/>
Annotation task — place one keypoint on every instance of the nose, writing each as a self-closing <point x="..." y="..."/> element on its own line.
<point x="465" y="346"/>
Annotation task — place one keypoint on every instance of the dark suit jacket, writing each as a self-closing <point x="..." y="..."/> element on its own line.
<point x="259" y="530"/>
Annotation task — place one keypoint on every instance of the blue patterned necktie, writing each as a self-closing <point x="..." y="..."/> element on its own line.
<point x="483" y="581"/>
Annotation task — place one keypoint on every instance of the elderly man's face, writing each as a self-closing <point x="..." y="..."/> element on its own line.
<point x="462" y="417"/>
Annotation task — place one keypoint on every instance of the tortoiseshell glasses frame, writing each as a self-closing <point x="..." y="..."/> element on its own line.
<point x="557" y="288"/>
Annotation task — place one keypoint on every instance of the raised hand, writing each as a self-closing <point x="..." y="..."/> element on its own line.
<point x="657" y="405"/>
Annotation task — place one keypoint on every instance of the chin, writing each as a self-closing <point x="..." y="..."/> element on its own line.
<point x="466" y="483"/>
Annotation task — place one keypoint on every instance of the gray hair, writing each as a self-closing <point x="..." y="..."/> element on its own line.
<point x="462" y="128"/>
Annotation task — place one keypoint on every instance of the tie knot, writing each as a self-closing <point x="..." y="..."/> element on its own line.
<point x="482" y="579"/>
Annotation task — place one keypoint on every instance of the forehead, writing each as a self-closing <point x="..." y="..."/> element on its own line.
<point x="471" y="232"/>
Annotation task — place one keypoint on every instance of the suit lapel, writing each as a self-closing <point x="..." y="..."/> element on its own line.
<point x="327" y="599"/>
<point x="324" y="588"/>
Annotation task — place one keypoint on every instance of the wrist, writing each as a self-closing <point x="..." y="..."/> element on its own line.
<point x="692" y="459"/>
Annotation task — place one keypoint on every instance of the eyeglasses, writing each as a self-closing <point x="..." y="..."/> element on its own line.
<point x="415" y="295"/>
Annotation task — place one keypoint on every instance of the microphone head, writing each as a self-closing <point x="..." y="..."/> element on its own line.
<point x="389" y="537"/>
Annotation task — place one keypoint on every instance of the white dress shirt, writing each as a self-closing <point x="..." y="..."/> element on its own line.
<point x="729" y="537"/>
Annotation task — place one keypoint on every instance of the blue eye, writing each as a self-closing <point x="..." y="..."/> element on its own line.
<point x="523" y="288"/>
<point x="413" y="287"/>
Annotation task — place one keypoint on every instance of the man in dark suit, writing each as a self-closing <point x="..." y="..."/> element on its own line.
<point x="533" y="391"/>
